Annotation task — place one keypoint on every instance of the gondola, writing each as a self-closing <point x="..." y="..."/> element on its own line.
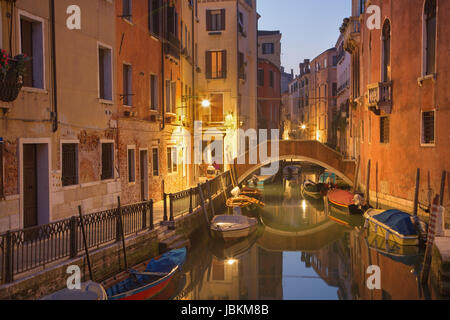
<point x="314" y="190"/>
<point x="147" y="279"/>
<point x="346" y="202"/>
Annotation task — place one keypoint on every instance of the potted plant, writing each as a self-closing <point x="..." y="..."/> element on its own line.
<point x="12" y="71"/>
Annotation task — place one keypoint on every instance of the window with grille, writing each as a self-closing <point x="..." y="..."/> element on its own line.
<point x="131" y="165"/>
<point x="430" y="34"/>
<point x="155" y="162"/>
<point x="69" y="165"/>
<point x="384" y="130"/>
<point x="428" y="127"/>
<point x="107" y="161"/>
<point x="216" y="64"/>
<point x="215" y="20"/>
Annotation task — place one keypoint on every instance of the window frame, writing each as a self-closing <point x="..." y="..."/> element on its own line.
<point x="35" y="19"/>
<point x="113" y="158"/>
<point x="382" y="134"/>
<point x="154" y="94"/>
<point x="422" y="127"/>
<point x="77" y="162"/>
<point x="157" y="163"/>
<point x="125" y="94"/>
<point x="131" y="170"/>
<point x="102" y="46"/>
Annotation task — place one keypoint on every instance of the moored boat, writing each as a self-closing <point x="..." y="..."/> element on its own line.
<point x="346" y="202"/>
<point x="314" y="190"/>
<point x="89" y="291"/>
<point x="230" y="228"/>
<point x="347" y="220"/>
<point x="147" y="279"/>
<point x="393" y="225"/>
<point x="244" y="202"/>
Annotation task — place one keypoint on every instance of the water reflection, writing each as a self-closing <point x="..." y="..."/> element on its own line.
<point x="301" y="253"/>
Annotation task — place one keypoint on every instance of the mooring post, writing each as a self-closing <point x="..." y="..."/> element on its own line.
<point x="122" y="232"/>
<point x="152" y="225"/>
<point x="441" y="193"/>
<point x="367" y="196"/>
<point x="86" y="250"/>
<point x="416" y="194"/>
<point x="355" y="183"/>
<point x="430" y="241"/>
<point x="202" y="202"/>
<point x="208" y="185"/>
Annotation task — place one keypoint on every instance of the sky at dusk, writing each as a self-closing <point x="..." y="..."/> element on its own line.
<point x="309" y="27"/>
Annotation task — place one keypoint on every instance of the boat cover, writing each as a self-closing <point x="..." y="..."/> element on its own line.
<point x="341" y="196"/>
<point x="163" y="264"/>
<point x="398" y="221"/>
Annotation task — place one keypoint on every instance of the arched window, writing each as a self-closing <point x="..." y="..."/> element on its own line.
<point x="386" y="76"/>
<point x="430" y="37"/>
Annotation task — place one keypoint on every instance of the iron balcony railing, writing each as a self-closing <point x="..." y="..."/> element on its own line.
<point x="172" y="46"/>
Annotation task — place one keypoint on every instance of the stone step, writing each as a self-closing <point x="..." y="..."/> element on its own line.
<point x="168" y="243"/>
<point x="180" y="244"/>
<point x="163" y="236"/>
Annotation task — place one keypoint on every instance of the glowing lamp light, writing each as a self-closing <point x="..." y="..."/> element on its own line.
<point x="206" y="103"/>
<point x="231" y="262"/>
<point x="303" y="127"/>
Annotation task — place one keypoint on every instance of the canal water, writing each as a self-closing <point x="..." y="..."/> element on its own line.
<point x="298" y="253"/>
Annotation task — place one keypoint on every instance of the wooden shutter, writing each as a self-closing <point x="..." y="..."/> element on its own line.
<point x="69" y="164"/>
<point x="208" y="20"/>
<point x="107" y="161"/>
<point x="222" y="16"/>
<point x="208" y="66"/>
<point x="224" y="63"/>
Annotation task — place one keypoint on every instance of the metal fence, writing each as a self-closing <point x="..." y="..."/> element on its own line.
<point x="177" y="204"/>
<point x="31" y="248"/>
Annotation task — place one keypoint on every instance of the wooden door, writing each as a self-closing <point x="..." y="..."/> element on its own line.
<point x="143" y="174"/>
<point x="30" y="198"/>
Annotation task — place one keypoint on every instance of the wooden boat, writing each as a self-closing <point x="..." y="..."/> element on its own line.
<point x="251" y="192"/>
<point x="313" y="190"/>
<point x="244" y="202"/>
<point x="408" y="255"/>
<point x="147" y="279"/>
<point x="89" y="291"/>
<point x="351" y="221"/>
<point x="392" y="225"/>
<point x="230" y="228"/>
<point x="346" y="202"/>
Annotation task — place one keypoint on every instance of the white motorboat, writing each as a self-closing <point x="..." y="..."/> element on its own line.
<point x="230" y="228"/>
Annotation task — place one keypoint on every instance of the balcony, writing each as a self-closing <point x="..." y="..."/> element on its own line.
<point x="380" y="97"/>
<point x="352" y="33"/>
<point x="172" y="46"/>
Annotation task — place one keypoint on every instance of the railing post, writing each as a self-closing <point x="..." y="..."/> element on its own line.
<point x="118" y="225"/>
<point x="73" y="237"/>
<point x="171" y="207"/>
<point x="165" y="207"/>
<point x="190" y="201"/>
<point x="8" y="275"/>
<point x="152" y="226"/>
<point x="144" y="216"/>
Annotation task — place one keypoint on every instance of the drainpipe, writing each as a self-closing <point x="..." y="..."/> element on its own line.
<point x="54" y="115"/>
<point x="163" y="81"/>
<point x="194" y="95"/>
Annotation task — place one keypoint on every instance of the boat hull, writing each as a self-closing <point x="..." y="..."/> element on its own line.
<point x="386" y="232"/>
<point x="233" y="235"/>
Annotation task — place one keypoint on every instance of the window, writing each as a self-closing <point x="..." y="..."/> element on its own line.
<point x="154" y="16"/>
<point x="131" y="165"/>
<point x="32" y="44"/>
<point x="430" y="37"/>
<point x="325" y="63"/>
<point x="127" y="85"/>
<point x="261" y="77"/>
<point x="155" y="153"/>
<point x="171" y="91"/>
<point x="241" y="66"/>
<point x="384" y="130"/>
<point x="241" y="23"/>
<point x="154" y="92"/>
<point x="215" y="20"/>
<point x="107" y="161"/>
<point x="69" y="160"/>
<point x="386" y="76"/>
<point x="268" y="48"/>
<point x="428" y="123"/>
<point x="172" y="160"/>
<point x="126" y="9"/>
<point x="105" y="73"/>
<point x="217" y="107"/>
<point x="271" y="79"/>
<point x="216" y="64"/>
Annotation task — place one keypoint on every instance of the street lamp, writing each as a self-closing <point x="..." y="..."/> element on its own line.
<point x="206" y="103"/>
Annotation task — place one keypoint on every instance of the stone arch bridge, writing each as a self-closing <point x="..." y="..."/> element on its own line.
<point x="298" y="150"/>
